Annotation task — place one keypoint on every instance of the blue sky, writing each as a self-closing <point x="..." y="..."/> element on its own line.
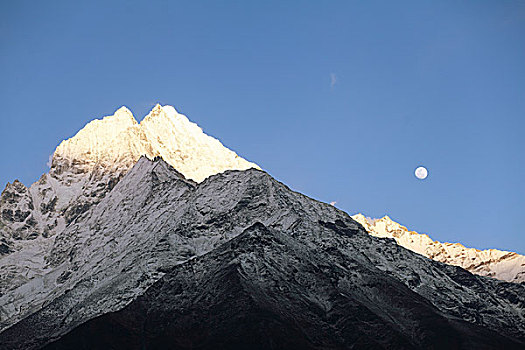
<point x="339" y="100"/>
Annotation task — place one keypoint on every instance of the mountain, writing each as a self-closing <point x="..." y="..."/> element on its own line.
<point x="89" y="164"/>
<point x="117" y="142"/>
<point x="503" y="265"/>
<point x="239" y="258"/>
<point x="85" y="168"/>
<point x="155" y="259"/>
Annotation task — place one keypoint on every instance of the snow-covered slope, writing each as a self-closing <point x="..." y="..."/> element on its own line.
<point x="503" y="265"/>
<point x="85" y="168"/>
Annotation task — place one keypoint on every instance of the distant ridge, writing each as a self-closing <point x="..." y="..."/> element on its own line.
<point x="503" y="265"/>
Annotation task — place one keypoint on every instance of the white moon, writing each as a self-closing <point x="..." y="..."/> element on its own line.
<point x="421" y="173"/>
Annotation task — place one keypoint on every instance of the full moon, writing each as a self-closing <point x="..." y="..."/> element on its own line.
<point x="421" y="173"/>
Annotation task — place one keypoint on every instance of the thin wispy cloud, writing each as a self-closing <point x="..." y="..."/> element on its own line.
<point x="49" y="161"/>
<point x="333" y="80"/>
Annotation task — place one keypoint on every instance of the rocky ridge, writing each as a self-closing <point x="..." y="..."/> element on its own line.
<point x="503" y="265"/>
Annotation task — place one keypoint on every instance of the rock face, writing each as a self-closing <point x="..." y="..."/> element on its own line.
<point x="239" y="261"/>
<point x="503" y="265"/>
<point x="87" y="167"/>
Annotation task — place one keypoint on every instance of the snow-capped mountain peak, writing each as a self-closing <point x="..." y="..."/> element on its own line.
<point x="118" y="141"/>
<point x="87" y="166"/>
<point x="100" y="140"/>
<point x="124" y="112"/>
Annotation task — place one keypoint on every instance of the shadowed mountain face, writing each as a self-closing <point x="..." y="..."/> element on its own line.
<point x="241" y="261"/>
<point x="266" y="290"/>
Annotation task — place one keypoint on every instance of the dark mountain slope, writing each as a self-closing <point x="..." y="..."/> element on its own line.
<point x="241" y="261"/>
<point x="265" y="290"/>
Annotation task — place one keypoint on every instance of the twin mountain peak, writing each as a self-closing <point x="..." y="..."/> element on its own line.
<point x="118" y="141"/>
